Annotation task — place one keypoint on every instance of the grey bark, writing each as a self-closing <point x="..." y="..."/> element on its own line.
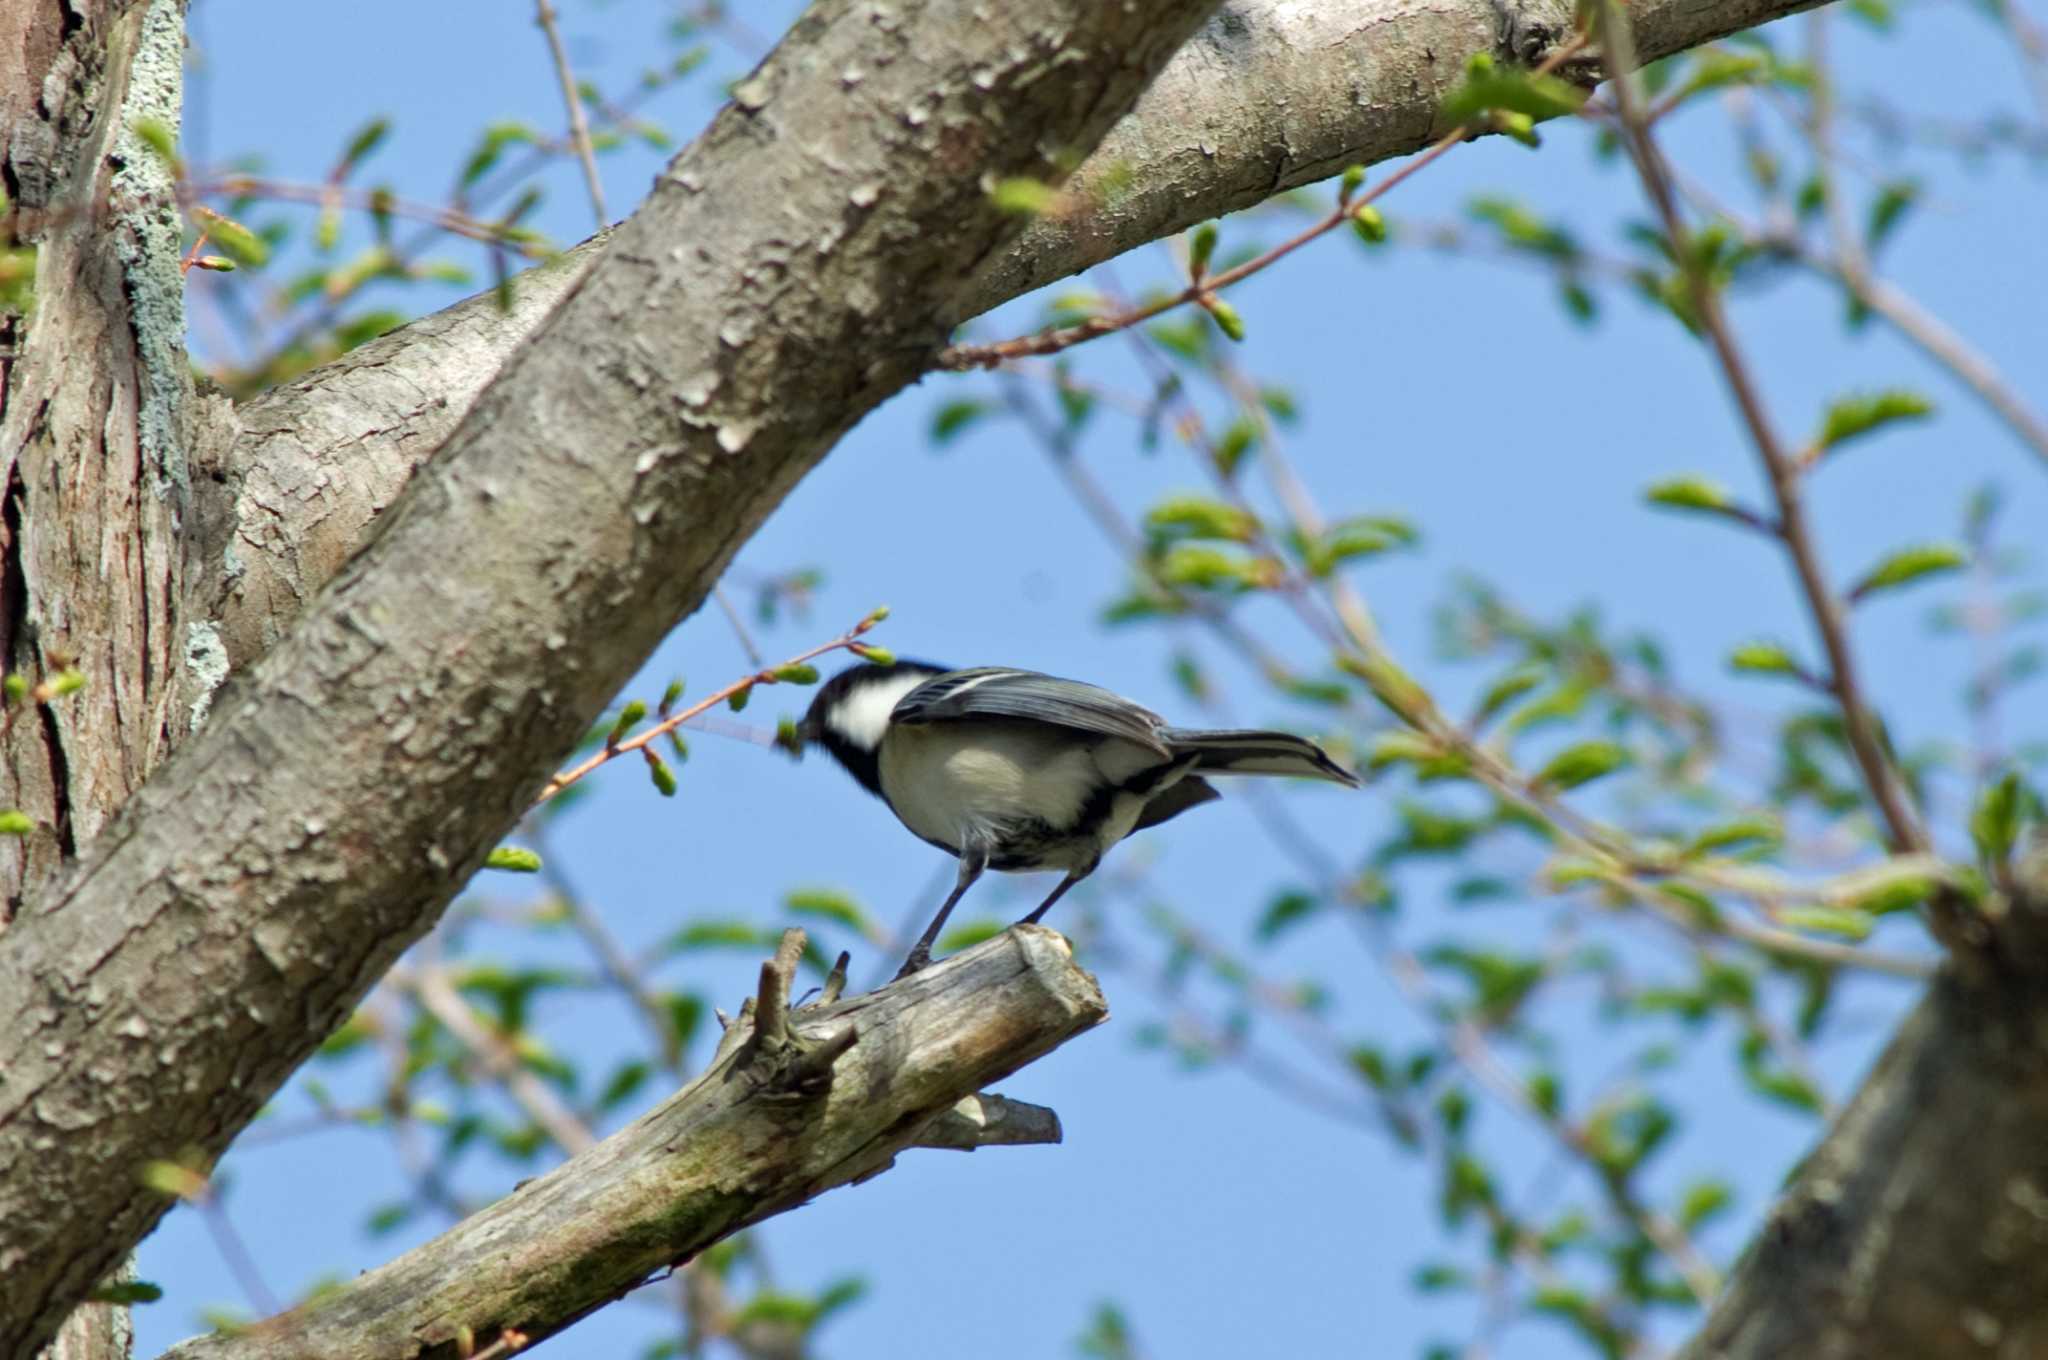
<point x="791" y="269"/>
<point x="1919" y="1227"/>
<point x="93" y="421"/>
<point x="1269" y="96"/>
<point x="773" y="1122"/>
<point x="94" y="428"/>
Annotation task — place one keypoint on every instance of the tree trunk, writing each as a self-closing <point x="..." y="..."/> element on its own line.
<point x="1919" y="1228"/>
<point x="791" y="269"/>
<point x="94" y="395"/>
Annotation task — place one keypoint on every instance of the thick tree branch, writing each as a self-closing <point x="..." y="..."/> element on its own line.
<point x="1919" y="1228"/>
<point x="1271" y="95"/>
<point x="787" y="1113"/>
<point x="791" y="269"/>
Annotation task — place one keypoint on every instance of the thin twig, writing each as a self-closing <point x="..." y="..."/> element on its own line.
<point x="1202" y="291"/>
<point x="1903" y="832"/>
<point x="579" y="126"/>
<point x="613" y="750"/>
<point x="430" y="986"/>
<point x="739" y="625"/>
<point x="367" y="200"/>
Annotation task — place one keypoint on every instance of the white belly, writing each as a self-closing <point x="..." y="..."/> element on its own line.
<point x="953" y="785"/>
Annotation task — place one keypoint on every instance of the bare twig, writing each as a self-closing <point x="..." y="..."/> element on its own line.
<point x="431" y="987"/>
<point x="1202" y="291"/>
<point x="612" y="750"/>
<point x="579" y="126"/>
<point x="1903" y="832"/>
<point x="739" y="625"/>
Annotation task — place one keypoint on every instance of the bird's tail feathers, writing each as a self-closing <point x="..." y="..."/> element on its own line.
<point x="1277" y="753"/>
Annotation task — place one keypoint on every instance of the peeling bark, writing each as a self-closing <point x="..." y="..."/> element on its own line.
<point x="92" y="421"/>
<point x="94" y="431"/>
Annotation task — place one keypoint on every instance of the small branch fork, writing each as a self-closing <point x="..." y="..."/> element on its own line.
<point x="1903" y="832"/>
<point x="1202" y="290"/>
<point x="849" y="640"/>
<point x="794" y="1103"/>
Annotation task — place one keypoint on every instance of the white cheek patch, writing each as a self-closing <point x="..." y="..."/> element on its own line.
<point x="863" y="715"/>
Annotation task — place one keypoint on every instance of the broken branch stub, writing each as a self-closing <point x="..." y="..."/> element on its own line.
<point x="791" y="1106"/>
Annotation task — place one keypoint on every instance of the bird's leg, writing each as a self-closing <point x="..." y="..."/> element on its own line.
<point x="973" y="860"/>
<point x="1057" y="893"/>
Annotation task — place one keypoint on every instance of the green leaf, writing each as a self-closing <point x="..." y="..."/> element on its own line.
<point x="1888" y="209"/>
<point x="15" y="822"/>
<point x="1437" y="1279"/>
<point x="1198" y="517"/>
<point x="1742" y="833"/>
<point x="127" y="1292"/>
<point x="387" y="1217"/>
<point x="1764" y="658"/>
<point x="737" y="700"/>
<point x="1703" y="1200"/>
<point x="632" y="713"/>
<point x="1689" y="492"/>
<point x="1488" y="87"/>
<point x="366" y="140"/>
<point x="1353" y="537"/>
<point x="970" y="933"/>
<point x="1908" y="565"/>
<point x="1236" y="441"/>
<point x="1024" y="197"/>
<point x="496" y="138"/>
<point x="1189" y="564"/>
<point x="828" y="904"/>
<point x="1854" y="417"/>
<point x="158" y="137"/>
<point x="797" y="673"/>
<point x="719" y="934"/>
<point x="1995" y="821"/>
<point x="1370" y="224"/>
<point x="1505" y="691"/>
<point x="953" y="417"/>
<point x="1843" y="921"/>
<point x="244" y="246"/>
<point x="1583" y="763"/>
<point x="664" y="778"/>
<point x="513" y="859"/>
<point x="1201" y="245"/>
<point x="1285" y="911"/>
<point x="627" y="1079"/>
<point x="1523" y="229"/>
<point x="1227" y="319"/>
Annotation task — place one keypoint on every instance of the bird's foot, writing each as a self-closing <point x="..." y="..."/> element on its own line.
<point x="920" y="959"/>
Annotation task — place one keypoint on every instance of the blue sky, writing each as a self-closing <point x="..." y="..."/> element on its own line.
<point x="1448" y="389"/>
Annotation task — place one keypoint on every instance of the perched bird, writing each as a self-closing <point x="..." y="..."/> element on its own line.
<point x="1014" y="770"/>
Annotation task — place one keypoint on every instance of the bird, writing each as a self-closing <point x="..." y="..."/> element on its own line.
<point x="1014" y="770"/>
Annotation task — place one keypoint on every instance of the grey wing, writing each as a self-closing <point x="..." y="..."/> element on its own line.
<point x="993" y="692"/>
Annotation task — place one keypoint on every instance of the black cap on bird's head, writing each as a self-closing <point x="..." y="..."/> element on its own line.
<point x="850" y="712"/>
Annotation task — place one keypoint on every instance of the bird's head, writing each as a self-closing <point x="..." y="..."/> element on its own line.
<point x="850" y="712"/>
